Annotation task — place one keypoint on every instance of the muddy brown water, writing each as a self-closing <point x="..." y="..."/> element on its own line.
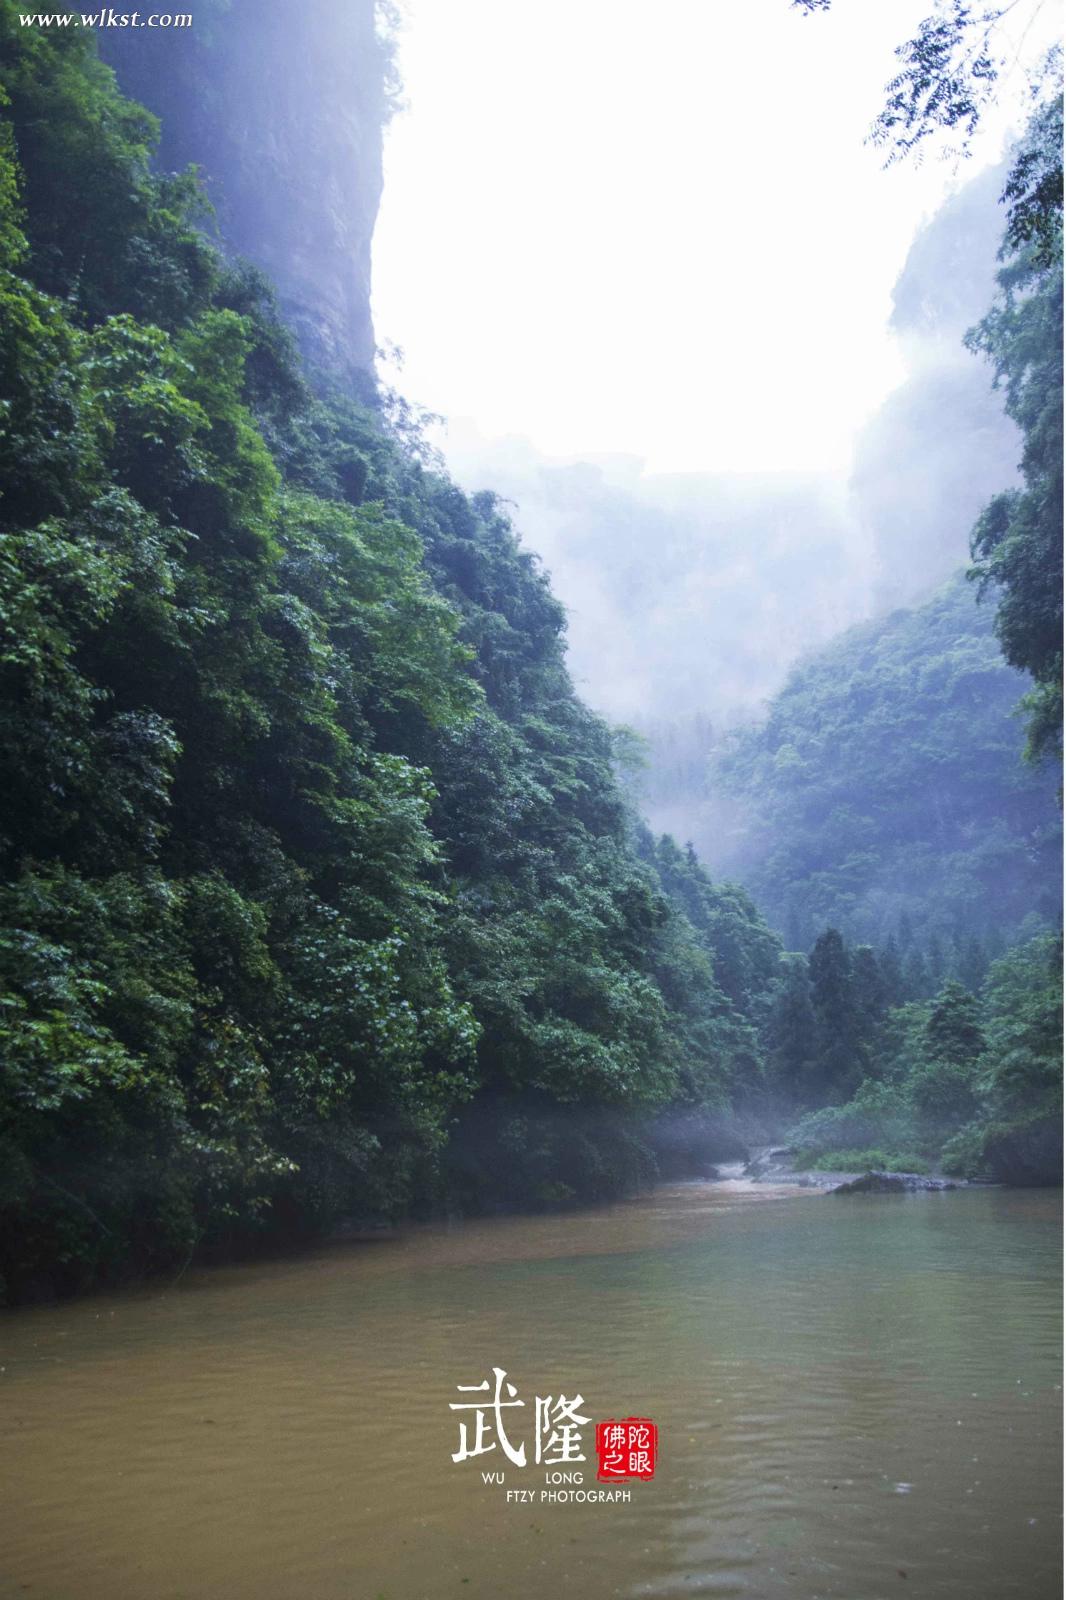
<point x="856" y="1398"/>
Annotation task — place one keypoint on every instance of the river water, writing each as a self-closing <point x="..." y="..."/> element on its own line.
<point x="856" y="1398"/>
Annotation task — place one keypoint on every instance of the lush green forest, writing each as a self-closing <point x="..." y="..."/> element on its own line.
<point x="885" y="792"/>
<point x="321" y="895"/>
<point x="968" y="1080"/>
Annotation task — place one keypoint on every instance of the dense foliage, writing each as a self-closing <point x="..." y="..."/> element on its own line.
<point x="884" y="792"/>
<point x="308" y="846"/>
<point x="1017" y="543"/>
<point x="970" y="1082"/>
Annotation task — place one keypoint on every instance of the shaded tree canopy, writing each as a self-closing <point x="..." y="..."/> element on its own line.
<point x="1017" y="541"/>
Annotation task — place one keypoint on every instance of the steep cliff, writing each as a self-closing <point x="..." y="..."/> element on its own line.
<point x="941" y="445"/>
<point x="282" y="109"/>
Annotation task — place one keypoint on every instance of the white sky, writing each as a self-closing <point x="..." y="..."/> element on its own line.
<point x="651" y="226"/>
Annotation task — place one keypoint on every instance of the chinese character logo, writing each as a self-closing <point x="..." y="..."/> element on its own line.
<point x="626" y="1449"/>
<point x="496" y="1405"/>
<point x="557" y="1427"/>
<point x="558" y="1430"/>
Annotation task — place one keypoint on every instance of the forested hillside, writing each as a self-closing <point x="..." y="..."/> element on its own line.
<point x="320" y="896"/>
<point x="309" y="849"/>
<point x="885" y="792"/>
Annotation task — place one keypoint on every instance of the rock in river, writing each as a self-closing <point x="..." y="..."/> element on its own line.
<point x="892" y="1183"/>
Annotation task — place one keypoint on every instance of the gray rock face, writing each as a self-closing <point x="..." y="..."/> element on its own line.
<point x="282" y="108"/>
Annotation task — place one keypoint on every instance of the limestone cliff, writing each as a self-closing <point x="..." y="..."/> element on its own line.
<point x="282" y="107"/>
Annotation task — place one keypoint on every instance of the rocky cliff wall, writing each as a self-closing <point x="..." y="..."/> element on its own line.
<point x="282" y="107"/>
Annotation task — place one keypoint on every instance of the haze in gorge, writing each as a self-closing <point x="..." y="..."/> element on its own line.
<point x="562" y="903"/>
<point x="765" y="436"/>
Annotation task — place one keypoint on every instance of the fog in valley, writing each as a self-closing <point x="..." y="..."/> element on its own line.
<point x="724" y="449"/>
<point x="691" y="595"/>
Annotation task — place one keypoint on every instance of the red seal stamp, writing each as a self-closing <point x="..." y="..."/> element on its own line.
<point x="626" y="1448"/>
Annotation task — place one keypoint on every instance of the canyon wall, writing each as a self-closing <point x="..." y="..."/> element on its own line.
<point x="282" y="108"/>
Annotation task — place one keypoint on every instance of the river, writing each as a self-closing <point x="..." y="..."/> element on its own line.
<point x="856" y="1398"/>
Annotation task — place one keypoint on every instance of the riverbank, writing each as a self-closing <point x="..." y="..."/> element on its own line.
<point x="767" y="1171"/>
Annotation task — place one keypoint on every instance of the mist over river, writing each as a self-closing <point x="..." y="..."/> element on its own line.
<point x="856" y="1398"/>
